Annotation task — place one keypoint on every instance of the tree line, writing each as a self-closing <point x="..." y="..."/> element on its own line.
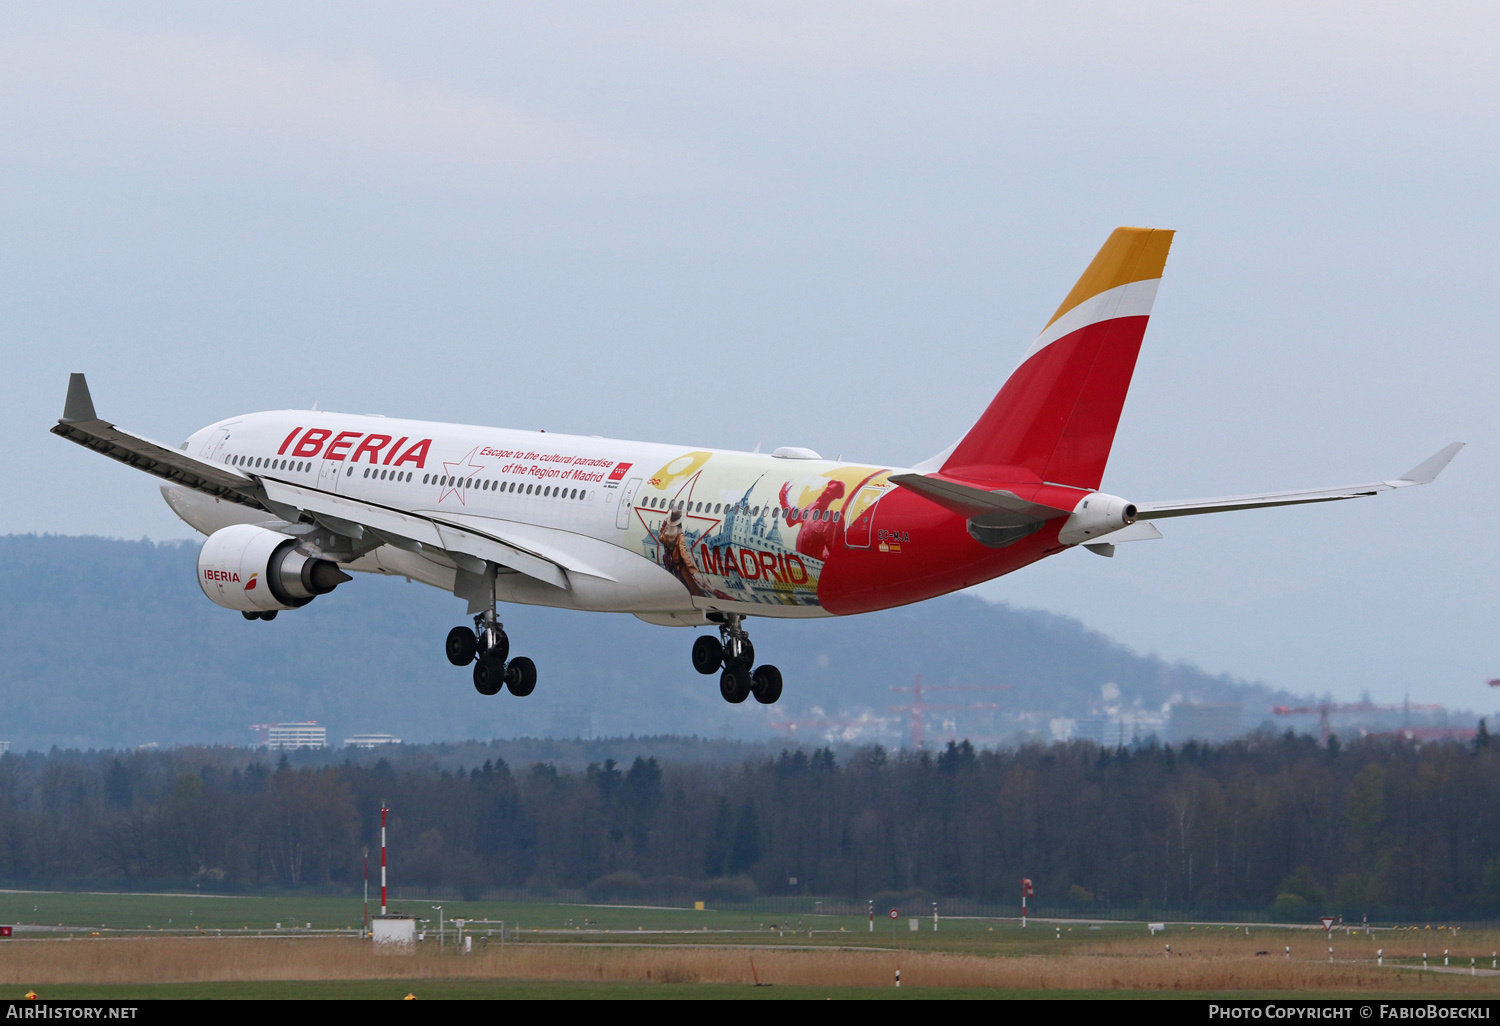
<point x="1381" y="827"/>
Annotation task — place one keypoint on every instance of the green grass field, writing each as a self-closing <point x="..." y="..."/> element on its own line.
<point x="113" y="913"/>
<point x="1038" y="959"/>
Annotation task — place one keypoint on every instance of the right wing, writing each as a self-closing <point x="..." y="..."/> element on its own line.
<point x="1423" y="473"/>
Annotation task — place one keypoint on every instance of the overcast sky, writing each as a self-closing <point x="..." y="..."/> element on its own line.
<point x="830" y="225"/>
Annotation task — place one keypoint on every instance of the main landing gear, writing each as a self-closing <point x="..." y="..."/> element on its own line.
<point x="488" y="648"/>
<point x="731" y="655"/>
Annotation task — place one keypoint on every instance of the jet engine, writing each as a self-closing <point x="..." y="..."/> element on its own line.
<point x="1095" y="515"/>
<point x="256" y="571"/>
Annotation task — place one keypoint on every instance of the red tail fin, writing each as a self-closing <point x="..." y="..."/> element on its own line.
<point x="1055" y="417"/>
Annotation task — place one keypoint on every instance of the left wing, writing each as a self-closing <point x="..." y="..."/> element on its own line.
<point x="1423" y="473"/>
<point x="469" y="546"/>
<point x="79" y="423"/>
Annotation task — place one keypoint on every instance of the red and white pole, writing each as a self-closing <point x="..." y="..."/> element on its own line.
<point x="383" y="811"/>
<point x="1026" y="892"/>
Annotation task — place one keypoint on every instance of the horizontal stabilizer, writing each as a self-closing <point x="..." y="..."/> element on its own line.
<point x="1104" y="545"/>
<point x="1423" y="473"/>
<point x="969" y="501"/>
<point x="1137" y="531"/>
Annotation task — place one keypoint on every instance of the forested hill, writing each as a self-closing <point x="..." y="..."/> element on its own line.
<point x="1267" y="826"/>
<point x="110" y="643"/>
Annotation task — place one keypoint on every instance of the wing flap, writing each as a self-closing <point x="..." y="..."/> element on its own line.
<point x="397" y="526"/>
<point x="568" y="550"/>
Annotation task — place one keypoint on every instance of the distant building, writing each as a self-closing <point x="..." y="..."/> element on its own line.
<point x="1192" y="722"/>
<point x="284" y="736"/>
<point x="4" y="747"/>
<point x="370" y="740"/>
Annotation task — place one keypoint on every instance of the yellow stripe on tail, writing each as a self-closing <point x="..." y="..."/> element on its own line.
<point x="1129" y="254"/>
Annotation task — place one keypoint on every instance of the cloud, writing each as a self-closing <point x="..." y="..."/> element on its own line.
<point x="85" y="92"/>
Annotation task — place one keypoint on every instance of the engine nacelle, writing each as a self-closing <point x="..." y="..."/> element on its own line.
<point x="254" y="570"/>
<point x="1095" y="515"/>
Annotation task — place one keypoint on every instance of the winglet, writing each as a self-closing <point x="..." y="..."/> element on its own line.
<point x="79" y="405"/>
<point x="1428" y="470"/>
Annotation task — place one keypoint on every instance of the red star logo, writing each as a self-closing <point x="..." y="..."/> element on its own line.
<point x="684" y="493"/>
<point x="459" y="473"/>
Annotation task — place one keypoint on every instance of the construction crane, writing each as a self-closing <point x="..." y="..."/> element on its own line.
<point x="918" y="709"/>
<point x="1326" y="709"/>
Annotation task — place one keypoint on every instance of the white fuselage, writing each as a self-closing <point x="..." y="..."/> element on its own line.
<point x="596" y="506"/>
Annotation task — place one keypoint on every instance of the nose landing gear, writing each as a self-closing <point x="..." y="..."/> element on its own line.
<point x="731" y="655"/>
<point x="488" y="647"/>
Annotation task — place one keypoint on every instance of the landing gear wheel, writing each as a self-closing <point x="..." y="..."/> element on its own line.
<point x="765" y="684"/>
<point x="489" y="674"/>
<point x="520" y="676"/>
<point x="734" y="684"/>
<point x="708" y="654"/>
<point x="250" y="616"/>
<point x="461" y="646"/>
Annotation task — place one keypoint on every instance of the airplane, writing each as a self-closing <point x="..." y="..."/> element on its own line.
<point x="291" y="501"/>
